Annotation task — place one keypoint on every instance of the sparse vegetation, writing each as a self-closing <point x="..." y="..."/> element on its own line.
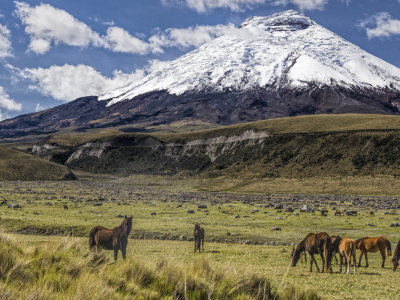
<point x="64" y="269"/>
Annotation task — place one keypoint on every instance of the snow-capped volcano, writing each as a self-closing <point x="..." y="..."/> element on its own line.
<point x="285" y="51"/>
<point x="270" y="67"/>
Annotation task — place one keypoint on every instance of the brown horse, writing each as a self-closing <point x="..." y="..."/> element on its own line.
<point x="338" y="213"/>
<point x="373" y="245"/>
<point x="347" y="249"/>
<point x="396" y="256"/>
<point x="335" y="242"/>
<point x="371" y="213"/>
<point x="324" y="213"/>
<point x="65" y="207"/>
<point x="319" y="243"/>
<point x="111" y="239"/>
<point x="198" y="236"/>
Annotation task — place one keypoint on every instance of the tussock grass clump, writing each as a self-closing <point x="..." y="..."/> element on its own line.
<point x="65" y="270"/>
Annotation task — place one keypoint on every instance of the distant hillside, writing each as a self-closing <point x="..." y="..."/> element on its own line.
<point x="306" y="146"/>
<point x="15" y="165"/>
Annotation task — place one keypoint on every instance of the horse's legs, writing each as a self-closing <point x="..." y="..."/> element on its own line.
<point x="323" y="260"/>
<point x="123" y="251"/>
<point x="361" y="255"/>
<point x="334" y="255"/>
<point x="366" y="260"/>
<point x="382" y="250"/>
<point x="348" y="262"/>
<point x="115" y="254"/>
<point x="195" y="244"/>
<point x="202" y="244"/>
<point x="341" y="262"/>
<point x="354" y="261"/>
<point x="312" y="260"/>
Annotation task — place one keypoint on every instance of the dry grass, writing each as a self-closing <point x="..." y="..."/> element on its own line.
<point x="63" y="269"/>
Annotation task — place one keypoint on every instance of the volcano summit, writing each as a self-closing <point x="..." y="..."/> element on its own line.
<point x="277" y="66"/>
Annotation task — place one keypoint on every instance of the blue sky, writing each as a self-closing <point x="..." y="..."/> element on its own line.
<point x="53" y="52"/>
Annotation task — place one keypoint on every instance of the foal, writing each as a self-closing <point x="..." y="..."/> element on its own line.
<point x="347" y="249"/>
<point x="111" y="239"/>
<point x="198" y="236"/>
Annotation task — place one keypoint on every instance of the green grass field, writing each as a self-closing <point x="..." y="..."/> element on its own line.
<point x="236" y="264"/>
<point x="60" y="268"/>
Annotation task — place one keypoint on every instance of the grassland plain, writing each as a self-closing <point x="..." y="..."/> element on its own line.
<point x="161" y="240"/>
<point x="43" y="267"/>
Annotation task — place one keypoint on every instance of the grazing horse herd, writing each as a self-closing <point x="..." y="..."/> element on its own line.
<point x="326" y="246"/>
<point x="321" y="243"/>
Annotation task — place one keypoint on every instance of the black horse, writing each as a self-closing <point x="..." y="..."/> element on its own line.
<point x="198" y="236"/>
<point x="319" y="243"/>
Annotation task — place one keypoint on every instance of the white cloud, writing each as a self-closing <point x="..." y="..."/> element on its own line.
<point x="46" y="24"/>
<point x="7" y="103"/>
<point x="39" y="107"/>
<point x="66" y="83"/>
<point x="155" y="64"/>
<point x="304" y="4"/>
<point x="49" y="26"/>
<point x="119" y="40"/>
<point x="240" y="5"/>
<point x="5" y="43"/>
<point x="385" y="25"/>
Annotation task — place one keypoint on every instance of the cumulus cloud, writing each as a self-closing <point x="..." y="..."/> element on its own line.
<point x="67" y="82"/>
<point x="304" y="4"/>
<point x="39" y="107"/>
<point x="119" y="40"/>
<point x="155" y="64"/>
<point x="240" y="5"/>
<point x="8" y="104"/>
<point x="5" y="43"/>
<point x="384" y="25"/>
<point x="47" y="25"/>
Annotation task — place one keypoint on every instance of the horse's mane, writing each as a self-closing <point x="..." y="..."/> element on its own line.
<point x="127" y="225"/>
<point x="301" y="246"/>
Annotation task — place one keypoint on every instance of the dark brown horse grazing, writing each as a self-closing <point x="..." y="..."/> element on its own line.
<point x="371" y="213"/>
<point x="111" y="239"/>
<point x="319" y="243"/>
<point x="198" y="236"/>
<point x="324" y="213"/>
<point x="373" y="245"/>
<point x="335" y="242"/>
<point x="396" y="256"/>
<point x="65" y="207"/>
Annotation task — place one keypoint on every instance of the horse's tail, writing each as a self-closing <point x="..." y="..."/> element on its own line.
<point x="389" y="248"/>
<point x="92" y="235"/>
<point x="327" y="252"/>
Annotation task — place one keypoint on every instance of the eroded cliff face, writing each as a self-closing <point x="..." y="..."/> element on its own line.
<point x="258" y="154"/>
<point x="208" y="150"/>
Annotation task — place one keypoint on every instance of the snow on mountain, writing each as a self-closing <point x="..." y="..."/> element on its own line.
<point x="284" y="51"/>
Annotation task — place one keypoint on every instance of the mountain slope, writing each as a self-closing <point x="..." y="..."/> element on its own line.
<point x="270" y="67"/>
<point x="15" y="165"/>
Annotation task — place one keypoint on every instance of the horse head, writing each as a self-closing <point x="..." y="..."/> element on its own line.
<point x="295" y="256"/>
<point x="395" y="263"/>
<point x="127" y="225"/>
